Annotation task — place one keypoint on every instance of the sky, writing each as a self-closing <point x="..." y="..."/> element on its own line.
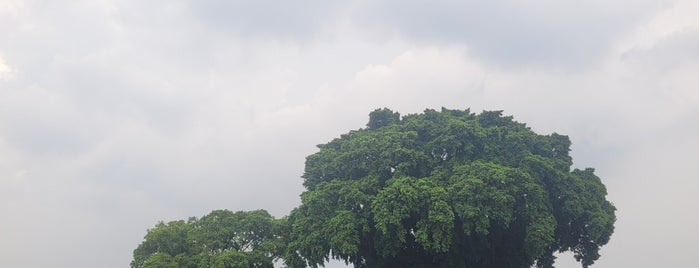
<point x="115" y="115"/>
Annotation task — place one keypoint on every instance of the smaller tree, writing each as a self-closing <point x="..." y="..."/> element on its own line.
<point x="220" y="239"/>
<point x="171" y="239"/>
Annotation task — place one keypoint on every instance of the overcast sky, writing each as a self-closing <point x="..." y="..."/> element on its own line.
<point x="117" y="114"/>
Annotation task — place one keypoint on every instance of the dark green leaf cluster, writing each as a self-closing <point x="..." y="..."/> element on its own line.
<point x="221" y="239"/>
<point x="447" y="188"/>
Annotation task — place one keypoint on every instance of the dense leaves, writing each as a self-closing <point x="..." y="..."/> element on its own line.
<point x="221" y="239"/>
<point x="447" y="188"/>
<point x="443" y="188"/>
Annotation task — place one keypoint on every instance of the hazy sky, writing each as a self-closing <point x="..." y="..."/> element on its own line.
<point x="117" y="114"/>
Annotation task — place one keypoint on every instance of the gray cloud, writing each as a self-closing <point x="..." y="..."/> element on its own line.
<point x="288" y="20"/>
<point x="671" y="52"/>
<point x="114" y="115"/>
<point x="510" y="33"/>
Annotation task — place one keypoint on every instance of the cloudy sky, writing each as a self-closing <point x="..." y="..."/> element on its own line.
<point x="117" y="114"/>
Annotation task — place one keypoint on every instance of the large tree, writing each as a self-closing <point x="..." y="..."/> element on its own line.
<point x="447" y="188"/>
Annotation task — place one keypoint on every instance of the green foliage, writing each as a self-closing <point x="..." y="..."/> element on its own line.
<point x="443" y="188"/>
<point x="160" y="260"/>
<point x="167" y="239"/>
<point x="221" y="239"/>
<point x="447" y="188"/>
<point x="382" y="117"/>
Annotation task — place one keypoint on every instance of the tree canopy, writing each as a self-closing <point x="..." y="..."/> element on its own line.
<point x="447" y="188"/>
<point x="221" y="239"/>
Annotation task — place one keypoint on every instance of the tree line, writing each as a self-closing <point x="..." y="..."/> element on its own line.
<point x="445" y="188"/>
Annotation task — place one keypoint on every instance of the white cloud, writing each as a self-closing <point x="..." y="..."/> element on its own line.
<point x="421" y="78"/>
<point x="10" y="7"/>
<point x="5" y="71"/>
<point x="680" y="17"/>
